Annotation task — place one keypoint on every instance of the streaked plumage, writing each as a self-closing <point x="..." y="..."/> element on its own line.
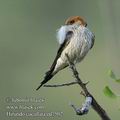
<point x="75" y="40"/>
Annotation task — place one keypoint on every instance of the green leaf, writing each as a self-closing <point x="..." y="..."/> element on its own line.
<point x="108" y="92"/>
<point x="111" y="74"/>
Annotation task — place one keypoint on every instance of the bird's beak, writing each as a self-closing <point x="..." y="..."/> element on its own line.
<point x="85" y="24"/>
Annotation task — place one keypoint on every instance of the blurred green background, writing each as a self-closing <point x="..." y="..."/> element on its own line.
<point x="28" y="46"/>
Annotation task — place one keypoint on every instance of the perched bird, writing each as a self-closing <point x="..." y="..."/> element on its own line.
<point x="75" y="40"/>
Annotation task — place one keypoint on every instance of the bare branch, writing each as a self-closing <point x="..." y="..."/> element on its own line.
<point x="61" y="85"/>
<point x="101" y="112"/>
<point x="89" y="99"/>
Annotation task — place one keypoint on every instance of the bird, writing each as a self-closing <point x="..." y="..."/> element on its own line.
<point x="75" y="40"/>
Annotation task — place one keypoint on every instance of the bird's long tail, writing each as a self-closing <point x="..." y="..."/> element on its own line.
<point x="47" y="77"/>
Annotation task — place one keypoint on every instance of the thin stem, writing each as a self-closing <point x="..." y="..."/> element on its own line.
<point x="101" y="112"/>
<point x="61" y="85"/>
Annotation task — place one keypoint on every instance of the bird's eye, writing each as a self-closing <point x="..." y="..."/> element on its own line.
<point x="72" y="21"/>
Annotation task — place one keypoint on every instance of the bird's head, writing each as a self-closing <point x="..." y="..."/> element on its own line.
<point x="76" y="20"/>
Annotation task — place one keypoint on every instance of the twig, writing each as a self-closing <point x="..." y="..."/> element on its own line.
<point x="85" y="107"/>
<point x="61" y="85"/>
<point x="89" y="101"/>
<point x="101" y="112"/>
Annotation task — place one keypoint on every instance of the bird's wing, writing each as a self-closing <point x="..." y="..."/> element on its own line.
<point x="60" y="50"/>
<point x="49" y="74"/>
<point x="93" y="41"/>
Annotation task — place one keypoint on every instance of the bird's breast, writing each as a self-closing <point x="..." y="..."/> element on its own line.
<point x="79" y="45"/>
